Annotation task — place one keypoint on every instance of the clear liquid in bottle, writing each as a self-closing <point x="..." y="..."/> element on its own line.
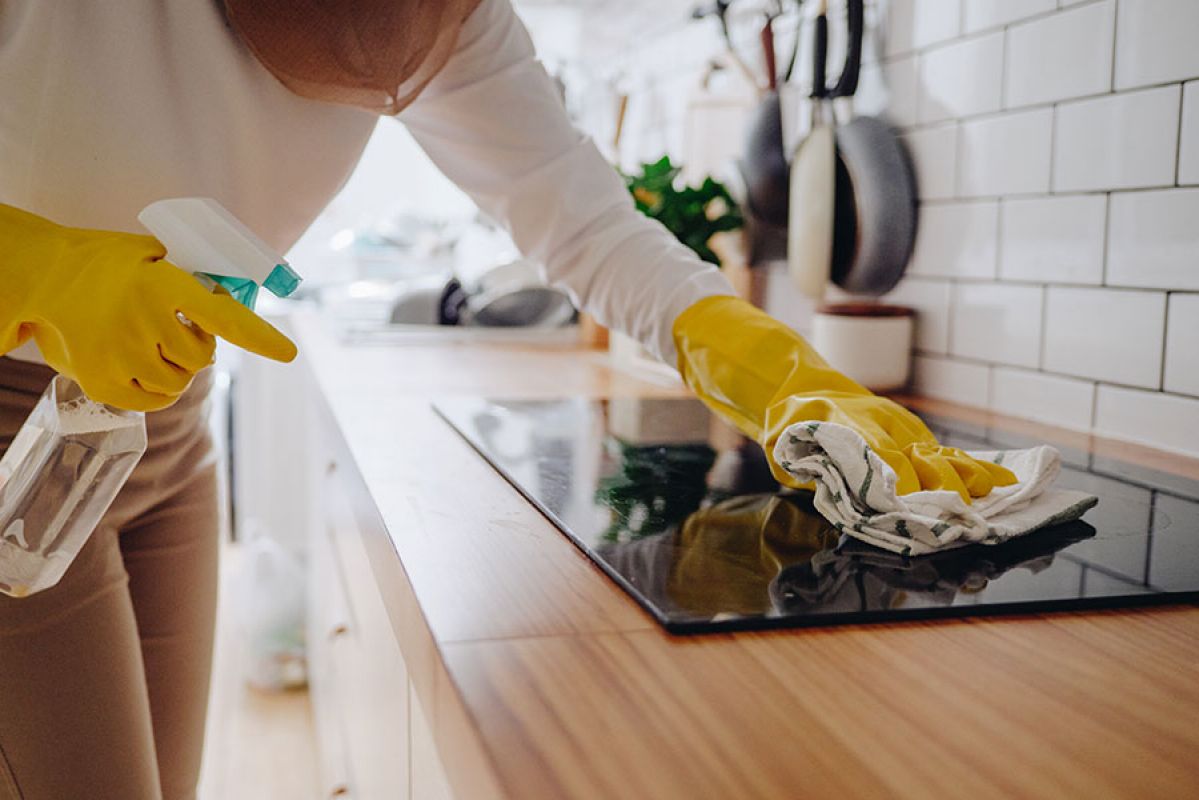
<point x="59" y="476"/>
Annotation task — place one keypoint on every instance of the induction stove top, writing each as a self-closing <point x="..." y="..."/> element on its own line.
<point x="681" y="512"/>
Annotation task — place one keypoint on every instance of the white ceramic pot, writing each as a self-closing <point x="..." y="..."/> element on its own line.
<point x="870" y="343"/>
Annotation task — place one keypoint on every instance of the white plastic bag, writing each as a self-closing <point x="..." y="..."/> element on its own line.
<point x="269" y="604"/>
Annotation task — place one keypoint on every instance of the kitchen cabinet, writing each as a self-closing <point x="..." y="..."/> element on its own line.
<point x="374" y="738"/>
<point x="460" y="640"/>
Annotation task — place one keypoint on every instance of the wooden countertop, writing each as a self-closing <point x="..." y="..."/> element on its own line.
<point x="544" y="680"/>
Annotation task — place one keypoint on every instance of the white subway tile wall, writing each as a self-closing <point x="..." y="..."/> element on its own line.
<point x="1155" y="42"/>
<point x="982" y="15"/>
<point x="1188" y="156"/>
<point x="1060" y="56"/>
<point x="1121" y="141"/>
<point x="934" y="153"/>
<point x="1045" y="398"/>
<point x="956" y="381"/>
<point x="1106" y="334"/>
<point x="934" y="21"/>
<point x="1162" y="420"/>
<point x="901" y="76"/>
<point x="998" y="323"/>
<point x="913" y="24"/>
<point x="1056" y="269"/>
<point x="931" y="301"/>
<point x="1153" y="239"/>
<point x="957" y="240"/>
<point x="961" y="79"/>
<point x="1007" y="154"/>
<point x="1182" y="344"/>
<point x="1058" y="239"/>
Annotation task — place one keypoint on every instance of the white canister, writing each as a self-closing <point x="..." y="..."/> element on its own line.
<point x="870" y="343"/>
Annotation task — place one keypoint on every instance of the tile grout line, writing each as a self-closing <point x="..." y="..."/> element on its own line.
<point x="966" y="36"/>
<point x="991" y="387"/>
<point x="974" y="361"/>
<point x="1115" y="51"/>
<point x="1053" y="151"/>
<point x="1003" y="62"/>
<point x="1182" y="93"/>
<point x="1000" y="206"/>
<point x="1153" y="520"/>
<point x="1093" y="413"/>
<point x="1031" y="284"/>
<point x="953" y="316"/>
<point x="1090" y="97"/>
<point x="957" y="161"/>
<point x="991" y="198"/>
<point x="1044" y="328"/>
<point x="1107" y="237"/>
<point x="1161" y="380"/>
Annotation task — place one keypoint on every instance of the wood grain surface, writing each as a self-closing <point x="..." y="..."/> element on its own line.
<point x="1065" y="706"/>
<point x="544" y="680"/>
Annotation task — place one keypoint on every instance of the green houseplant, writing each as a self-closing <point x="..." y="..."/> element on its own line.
<point x="692" y="214"/>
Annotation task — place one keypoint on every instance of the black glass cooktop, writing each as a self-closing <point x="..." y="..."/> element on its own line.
<point x="682" y="513"/>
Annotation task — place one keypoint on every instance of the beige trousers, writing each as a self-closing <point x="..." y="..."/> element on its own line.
<point x="104" y="678"/>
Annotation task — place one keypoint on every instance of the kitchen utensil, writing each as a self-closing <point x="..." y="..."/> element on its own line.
<point x="813" y="184"/>
<point x="873" y="194"/>
<point x="510" y="295"/>
<point x="768" y="54"/>
<point x="869" y="342"/>
<point x="762" y="169"/>
<point x="764" y="165"/>
<point x="876" y="209"/>
<point x="622" y="109"/>
<point x="794" y="48"/>
<point x="875" y="217"/>
<point x="419" y="302"/>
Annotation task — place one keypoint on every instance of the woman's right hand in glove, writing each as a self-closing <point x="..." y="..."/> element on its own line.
<point x="105" y="307"/>
<point x="763" y="377"/>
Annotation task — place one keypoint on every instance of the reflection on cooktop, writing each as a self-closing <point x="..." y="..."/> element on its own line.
<point x="682" y="512"/>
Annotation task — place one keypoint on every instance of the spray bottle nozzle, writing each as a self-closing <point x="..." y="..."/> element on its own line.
<point x="206" y="240"/>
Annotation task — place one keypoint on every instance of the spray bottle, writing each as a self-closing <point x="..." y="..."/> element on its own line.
<point x="72" y="456"/>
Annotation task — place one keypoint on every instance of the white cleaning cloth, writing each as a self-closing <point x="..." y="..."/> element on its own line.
<point x="855" y="490"/>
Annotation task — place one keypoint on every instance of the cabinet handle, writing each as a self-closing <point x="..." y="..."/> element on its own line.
<point x="331" y="467"/>
<point x="340" y="629"/>
<point x="341" y="790"/>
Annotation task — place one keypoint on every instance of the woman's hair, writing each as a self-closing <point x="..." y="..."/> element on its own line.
<point x="372" y="54"/>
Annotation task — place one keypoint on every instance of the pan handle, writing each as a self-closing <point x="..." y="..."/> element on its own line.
<point x="768" y="54"/>
<point x="847" y="84"/>
<point x="819" y="55"/>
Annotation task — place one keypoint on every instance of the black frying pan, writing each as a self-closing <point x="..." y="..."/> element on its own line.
<point x="875" y="201"/>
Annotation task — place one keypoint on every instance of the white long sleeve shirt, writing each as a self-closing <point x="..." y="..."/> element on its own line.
<point x="106" y="107"/>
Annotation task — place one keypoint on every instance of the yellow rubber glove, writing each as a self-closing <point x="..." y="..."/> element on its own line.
<point x="763" y="377"/>
<point x="103" y="306"/>
<point x="727" y="554"/>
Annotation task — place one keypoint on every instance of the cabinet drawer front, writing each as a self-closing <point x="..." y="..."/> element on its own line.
<point x="373" y="680"/>
<point x="328" y="632"/>
<point x="429" y="781"/>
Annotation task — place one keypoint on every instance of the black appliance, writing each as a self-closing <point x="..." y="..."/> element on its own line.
<point x="682" y="513"/>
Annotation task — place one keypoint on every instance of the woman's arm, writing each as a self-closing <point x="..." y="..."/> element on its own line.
<point x="492" y="121"/>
